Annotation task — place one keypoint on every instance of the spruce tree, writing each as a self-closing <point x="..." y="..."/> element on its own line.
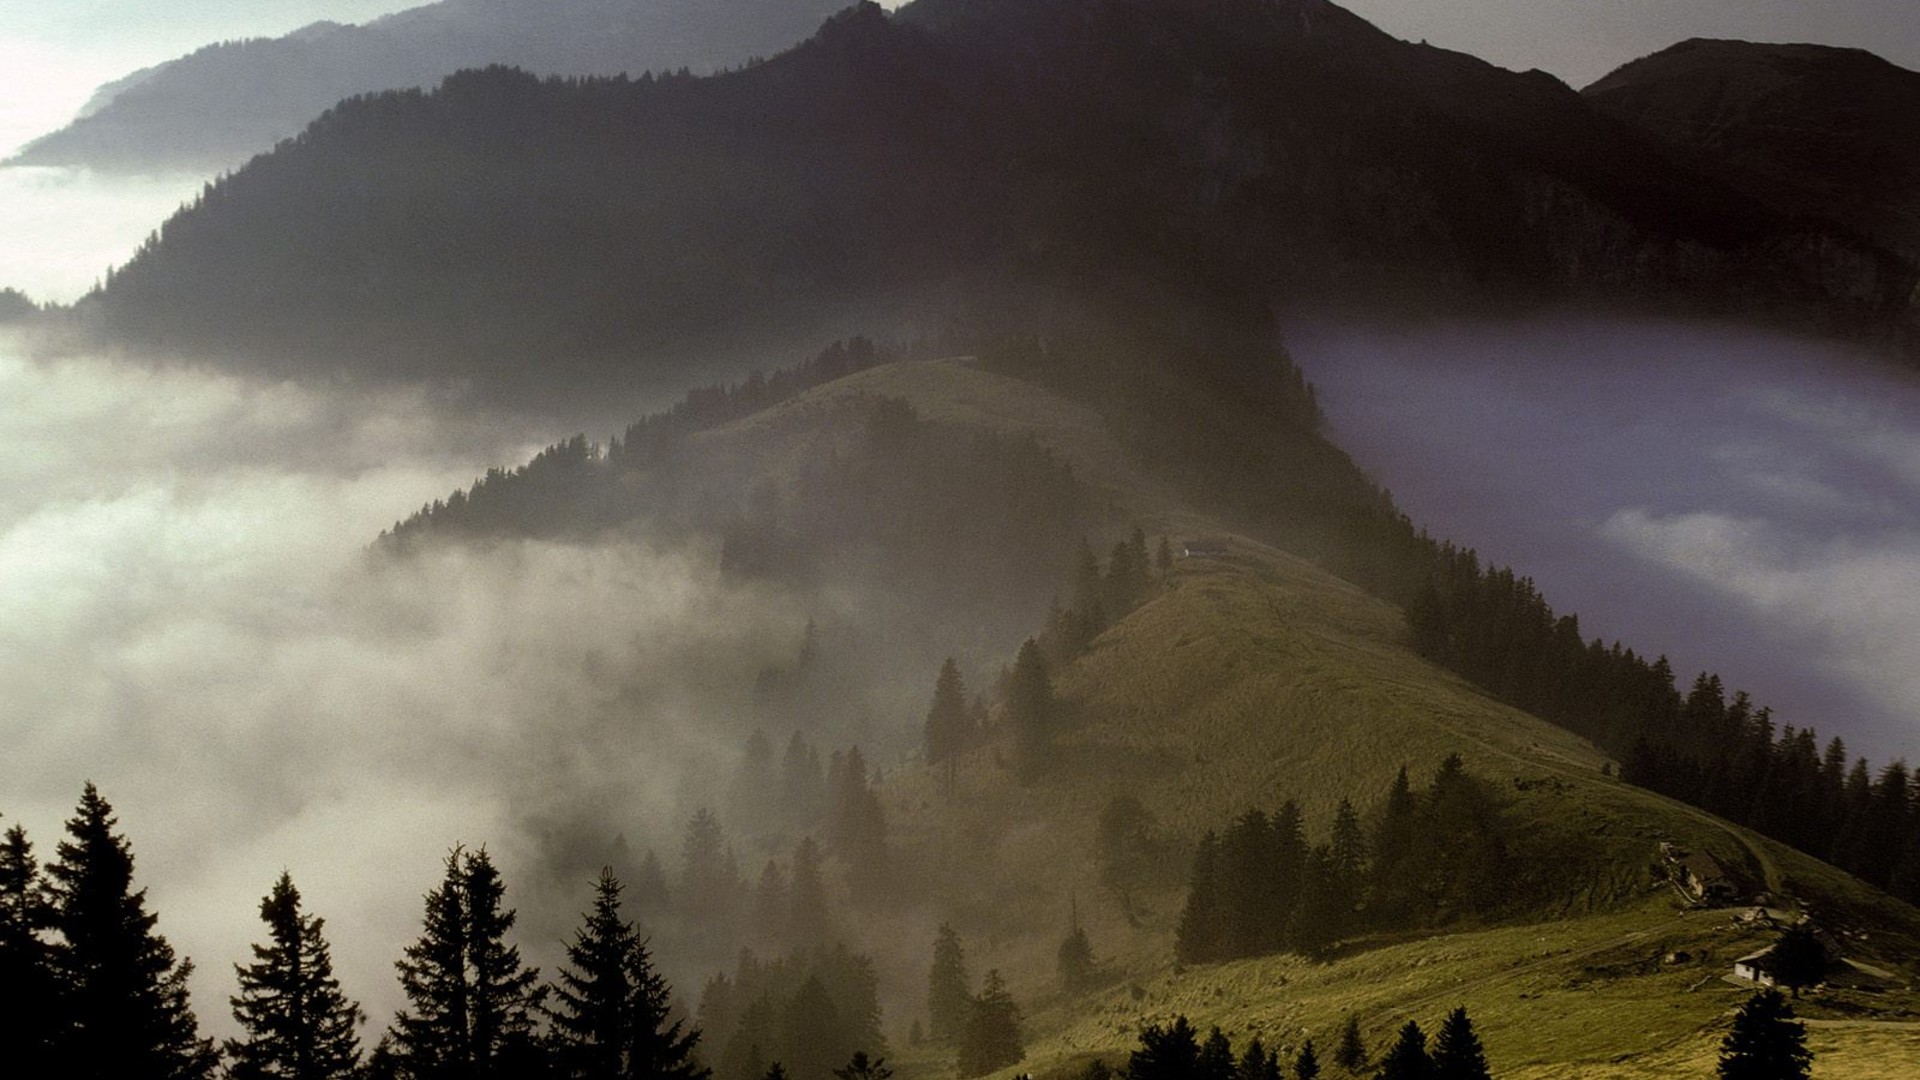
<point x="610" y="1019"/>
<point x="470" y="1000"/>
<point x="862" y="1067"/>
<point x="125" y="994"/>
<point x="1351" y="1054"/>
<point x="1457" y="1054"/>
<point x="298" y="1024"/>
<point x="947" y="718"/>
<point x="1166" y="1053"/>
<point x="1407" y="1059"/>
<point x="1258" y="1063"/>
<point x="1766" y="1042"/>
<point x="1074" y="958"/>
<point x="1306" y="1064"/>
<point x="992" y="1038"/>
<point x="1031" y="709"/>
<point x="949" y="988"/>
<point x="30" y="1025"/>
<point x="1216" y="1058"/>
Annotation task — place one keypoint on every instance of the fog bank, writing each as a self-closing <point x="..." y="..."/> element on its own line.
<point x="1744" y="502"/>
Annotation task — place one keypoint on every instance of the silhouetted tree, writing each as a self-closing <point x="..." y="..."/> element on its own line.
<point x="1798" y="958"/>
<point x="862" y="1067"/>
<point x="1074" y="958"/>
<point x="1457" y="1054"/>
<point x="1766" y="1042"/>
<point x="992" y="1038"/>
<point x="125" y="995"/>
<point x="949" y="988"/>
<point x="1216" y="1058"/>
<point x="1031" y="709"/>
<point x="298" y="1024"/>
<point x="1306" y="1064"/>
<point x="470" y="1000"/>
<point x="1166" y="1053"/>
<point x="1257" y="1063"/>
<point x="948" y="718"/>
<point x="611" y="1017"/>
<point x="31" y="1023"/>
<point x="1351" y="1054"/>
<point x="1407" y="1059"/>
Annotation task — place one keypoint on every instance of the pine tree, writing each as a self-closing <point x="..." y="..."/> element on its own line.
<point x="125" y="994"/>
<point x="471" y="1001"/>
<point x="862" y="1067"/>
<point x="30" y="1025"/>
<point x="1074" y="958"/>
<point x="1258" y="1063"/>
<point x="947" y="718"/>
<point x="1306" y="1065"/>
<point x="298" y="1024"/>
<point x="1031" y="709"/>
<point x="1457" y="1054"/>
<point x="949" y="988"/>
<point x="1766" y="1042"/>
<point x="1351" y="1054"/>
<point x="992" y="1038"/>
<point x="1165" y="1053"/>
<point x="1408" y="1060"/>
<point x="611" y="1020"/>
<point x="1216" y="1058"/>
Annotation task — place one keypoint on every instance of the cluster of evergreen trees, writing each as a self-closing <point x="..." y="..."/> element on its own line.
<point x="838" y="799"/>
<point x="94" y="992"/>
<point x="1721" y="754"/>
<point x="1259" y="888"/>
<point x="1175" y="1051"/>
<point x="984" y="1029"/>
<point x="810" y="1011"/>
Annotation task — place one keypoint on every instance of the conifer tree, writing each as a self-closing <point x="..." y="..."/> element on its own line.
<point x="125" y="994"/>
<point x="992" y="1038"/>
<point x="298" y="1024"/>
<point x="1407" y="1059"/>
<point x="30" y="1025"/>
<point x="1258" y="1063"/>
<point x="1351" y="1054"/>
<point x="1166" y="1053"/>
<point x="809" y="920"/>
<point x="949" y="988"/>
<point x="1457" y="1054"/>
<point x="1799" y="959"/>
<point x="1306" y="1064"/>
<point x="1216" y="1058"/>
<point x="1163" y="558"/>
<point x="1074" y="958"/>
<point x="1766" y="1042"/>
<point x="611" y="1016"/>
<point x="862" y="1067"/>
<point x="1031" y="709"/>
<point x="470" y="1000"/>
<point x="947" y="718"/>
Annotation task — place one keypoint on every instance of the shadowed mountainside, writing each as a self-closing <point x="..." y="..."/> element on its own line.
<point x="221" y="104"/>
<point x="963" y="156"/>
<point x="1820" y="133"/>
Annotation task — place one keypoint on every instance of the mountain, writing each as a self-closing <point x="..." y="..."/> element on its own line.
<point x="955" y="160"/>
<point x="216" y="107"/>
<point x="1820" y="133"/>
<point x="1236" y="680"/>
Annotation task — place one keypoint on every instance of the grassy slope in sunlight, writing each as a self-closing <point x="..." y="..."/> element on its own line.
<point x="1256" y="678"/>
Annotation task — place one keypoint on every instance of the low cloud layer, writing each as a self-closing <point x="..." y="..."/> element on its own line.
<point x="194" y="623"/>
<point x="1744" y="502"/>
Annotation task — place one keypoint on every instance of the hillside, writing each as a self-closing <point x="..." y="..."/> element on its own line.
<point x="1820" y="133"/>
<point x="938" y="167"/>
<point x="1242" y="681"/>
<point x="216" y="107"/>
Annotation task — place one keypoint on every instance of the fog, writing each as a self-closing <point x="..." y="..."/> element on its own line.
<point x="1744" y="502"/>
<point x="194" y="622"/>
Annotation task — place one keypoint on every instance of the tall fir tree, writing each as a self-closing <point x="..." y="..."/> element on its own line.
<point x="298" y="1024"/>
<point x="1171" y="1052"/>
<point x="471" y="1002"/>
<point x="1407" y="1058"/>
<point x="611" y="1013"/>
<point x="1306" y="1064"/>
<point x="1351" y="1054"/>
<point x="1216" y="1058"/>
<point x="1457" y="1053"/>
<point x="1074" y="959"/>
<point x="125" y="994"/>
<point x="30" y="1025"/>
<point x="1031" y="710"/>
<point x="1766" y="1042"/>
<point x="948" y="718"/>
<point x="992" y="1038"/>
<point x="949" y="988"/>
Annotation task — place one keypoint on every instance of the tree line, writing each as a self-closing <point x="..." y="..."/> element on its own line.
<point x="94" y="991"/>
<point x="1258" y="887"/>
<point x="1176" y="1051"/>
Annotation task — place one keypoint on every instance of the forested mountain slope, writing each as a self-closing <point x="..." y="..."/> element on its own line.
<point x="1822" y="133"/>
<point x="937" y="166"/>
<point x="218" y="106"/>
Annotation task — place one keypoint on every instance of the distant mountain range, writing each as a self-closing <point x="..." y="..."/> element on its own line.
<point x="1817" y="132"/>
<point x="958" y="161"/>
<point x="220" y="105"/>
